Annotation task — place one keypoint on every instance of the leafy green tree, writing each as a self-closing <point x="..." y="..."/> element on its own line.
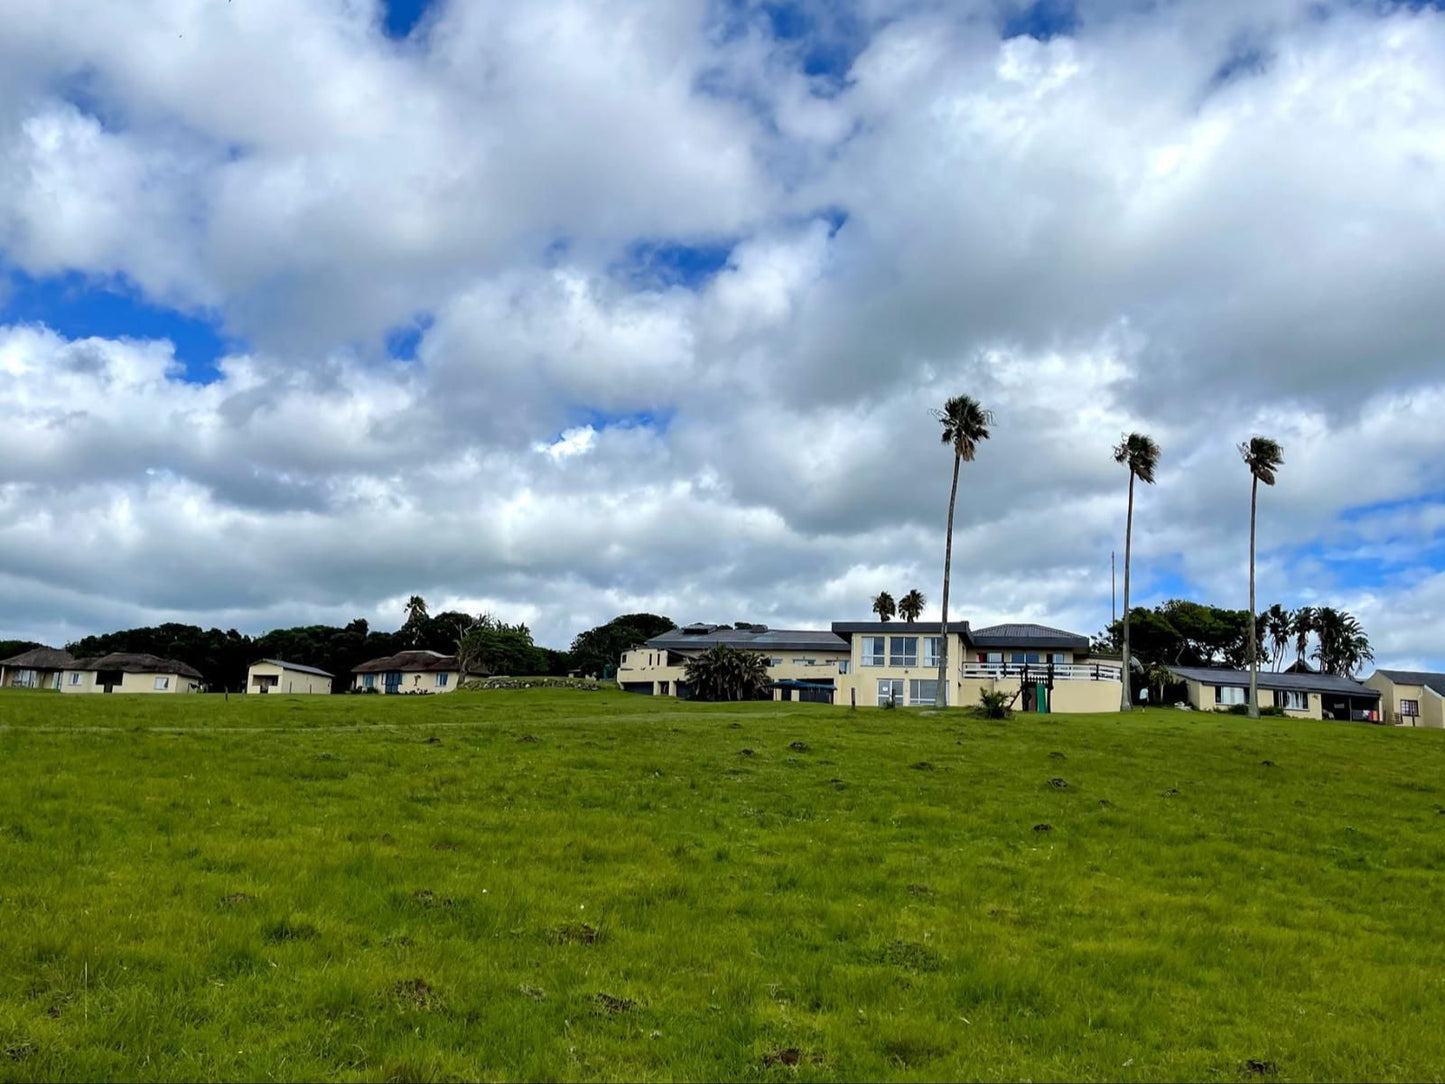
<point x="1263" y="457"/>
<point x="884" y="607"/>
<point x="723" y="673"/>
<point x="910" y="606"/>
<point x="1141" y="455"/>
<point x="10" y="648"/>
<point x="601" y="647"/>
<point x="965" y="426"/>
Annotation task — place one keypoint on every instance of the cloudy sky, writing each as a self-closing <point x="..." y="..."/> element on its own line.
<point x="576" y="307"/>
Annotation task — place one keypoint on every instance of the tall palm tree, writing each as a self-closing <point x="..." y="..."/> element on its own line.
<point x="416" y="616"/>
<point x="910" y="606"/>
<point x="1263" y="457"/>
<point x="1302" y="624"/>
<point x="1278" y="626"/>
<point x="884" y="606"/>
<point x="1343" y="646"/>
<point x="965" y="425"/>
<point x="1141" y="455"/>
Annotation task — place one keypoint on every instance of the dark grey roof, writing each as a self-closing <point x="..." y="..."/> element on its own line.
<point x="40" y="658"/>
<point x="295" y="666"/>
<point x="898" y="628"/>
<point x="748" y="639"/>
<point x="1311" y="683"/>
<point x="427" y="662"/>
<point x="1027" y="635"/>
<point x="1416" y="677"/>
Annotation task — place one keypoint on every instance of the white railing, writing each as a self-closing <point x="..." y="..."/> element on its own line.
<point x="1062" y="671"/>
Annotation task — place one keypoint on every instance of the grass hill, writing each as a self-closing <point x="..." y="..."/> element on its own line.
<point x="549" y="884"/>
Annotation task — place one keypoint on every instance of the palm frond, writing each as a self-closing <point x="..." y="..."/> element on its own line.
<point x="1263" y="456"/>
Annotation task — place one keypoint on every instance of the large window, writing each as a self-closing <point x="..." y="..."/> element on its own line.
<point x="890" y="690"/>
<point x="873" y="651"/>
<point x="842" y="666"/>
<point x="1228" y="694"/>
<point x="1410" y="709"/>
<point x="162" y="684"/>
<point x="368" y="681"/>
<point x="1059" y="658"/>
<point x="932" y="650"/>
<point x="75" y="678"/>
<point x="923" y="691"/>
<point x="442" y="680"/>
<point x="1291" y="700"/>
<point x="903" y="651"/>
<point x="1019" y="657"/>
<point x="776" y="660"/>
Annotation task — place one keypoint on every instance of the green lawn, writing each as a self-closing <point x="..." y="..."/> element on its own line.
<point x="560" y="884"/>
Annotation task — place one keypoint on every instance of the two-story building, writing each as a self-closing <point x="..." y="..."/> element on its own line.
<point x="870" y="663"/>
<point x="1410" y="697"/>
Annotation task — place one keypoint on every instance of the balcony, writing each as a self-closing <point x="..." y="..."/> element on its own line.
<point x="1039" y="671"/>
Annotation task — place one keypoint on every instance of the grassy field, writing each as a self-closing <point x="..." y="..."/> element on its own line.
<point x="560" y="884"/>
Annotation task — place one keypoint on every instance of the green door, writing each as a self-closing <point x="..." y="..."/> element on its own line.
<point x="1041" y="698"/>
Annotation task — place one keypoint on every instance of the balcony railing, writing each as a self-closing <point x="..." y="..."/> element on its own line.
<point x="1039" y="671"/>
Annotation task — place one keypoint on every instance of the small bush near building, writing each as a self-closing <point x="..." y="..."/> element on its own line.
<point x="994" y="705"/>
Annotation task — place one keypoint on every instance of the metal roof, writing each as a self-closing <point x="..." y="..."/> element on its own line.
<point x="899" y="628"/>
<point x="1311" y="683"/>
<point x="1435" y="682"/>
<point x="294" y="666"/>
<point x="748" y="639"/>
<point x="1026" y="635"/>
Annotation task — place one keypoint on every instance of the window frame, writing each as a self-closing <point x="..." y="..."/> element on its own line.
<point x="1414" y="710"/>
<point x="443" y="679"/>
<point x="913" y="684"/>
<point x="896" y="688"/>
<point x="1282" y="698"/>
<point x="900" y="659"/>
<point x="1219" y="699"/>
<point x="874" y="659"/>
<point x="932" y="651"/>
<point x="162" y="684"/>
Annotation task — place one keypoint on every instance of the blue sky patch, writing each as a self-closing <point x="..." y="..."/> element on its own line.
<point x="656" y="420"/>
<point x="402" y="341"/>
<point x="1042" y="19"/>
<point x="400" y="17"/>
<point x="78" y="307"/>
<point x="673" y="263"/>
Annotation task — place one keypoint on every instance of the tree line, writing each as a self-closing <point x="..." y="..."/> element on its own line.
<point x="482" y="641"/>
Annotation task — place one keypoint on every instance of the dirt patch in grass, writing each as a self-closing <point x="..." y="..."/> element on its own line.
<point x="325" y="756"/>
<point x="415" y="992"/>
<point x="1056" y="755"/>
<point x="236" y="899"/>
<point x="911" y="956"/>
<point x="401" y="941"/>
<point x="789" y="1058"/>
<point x="919" y="890"/>
<point x="446" y="845"/>
<point x="21" y="1051"/>
<point x="1268" y="764"/>
<point x="1059" y="784"/>
<point x="613" y="1006"/>
<point x="577" y="933"/>
<point x="433" y="740"/>
<point x="536" y="993"/>
<point x="799" y="746"/>
<point x="528" y="739"/>
<point x="922" y="766"/>
<point x="1255" y="1067"/>
<point x="1172" y="792"/>
<point x="289" y="930"/>
<point x="425" y="897"/>
<point x="746" y="753"/>
<point x="1043" y="828"/>
<point x="735" y="726"/>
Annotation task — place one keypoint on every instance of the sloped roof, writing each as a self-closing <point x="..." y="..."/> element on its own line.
<point x="1027" y="635"/>
<point x="747" y="640"/>
<point x="427" y="662"/>
<point x="293" y="666"/>
<point x="1310" y="683"/>
<point x="40" y="658"/>
<point x="1434" y="681"/>
<point x="899" y="628"/>
<point x="136" y="663"/>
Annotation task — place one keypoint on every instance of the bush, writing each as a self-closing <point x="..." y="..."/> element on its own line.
<point x="1243" y="709"/>
<point x="994" y="705"/>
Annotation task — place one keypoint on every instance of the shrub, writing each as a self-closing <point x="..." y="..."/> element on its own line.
<point x="994" y="705"/>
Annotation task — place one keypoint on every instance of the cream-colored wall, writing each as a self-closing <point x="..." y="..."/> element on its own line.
<point x="413" y="681"/>
<point x="129" y="683"/>
<point x="642" y="666"/>
<point x="865" y="679"/>
<point x="288" y="682"/>
<point x="1201" y="696"/>
<point x="1432" y="707"/>
<point x="86" y="685"/>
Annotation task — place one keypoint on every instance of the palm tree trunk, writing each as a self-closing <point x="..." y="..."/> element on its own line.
<point x="1253" y="633"/>
<point x="943" y="683"/>
<point x="1125" y="696"/>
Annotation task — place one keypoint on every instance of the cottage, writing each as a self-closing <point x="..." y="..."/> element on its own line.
<point x="1410" y="697"/>
<point x="411" y="672"/>
<point x="127" y="672"/>
<point x="276" y="676"/>
<point x="38" y="668"/>
<point x="1302" y="695"/>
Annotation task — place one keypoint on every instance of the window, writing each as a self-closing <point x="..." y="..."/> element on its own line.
<point x="923" y="691"/>
<point x="75" y="677"/>
<point x="1058" y="658"/>
<point x="805" y="662"/>
<point x="665" y="686"/>
<point x="890" y="690"/>
<point x="1024" y="656"/>
<point x="1292" y="700"/>
<point x="842" y="666"/>
<point x="1410" y="709"/>
<point x="872" y="651"/>
<point x="932" y="650"/>
<point x="1228" y="694"/>
<point x="776" y="661"/>
<point x="903" y="651"/>
<point x="442" y="680"/>
<point x="162" y="684"/>
<point x="24" y="679"/>
<point x="368" y="681"/>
